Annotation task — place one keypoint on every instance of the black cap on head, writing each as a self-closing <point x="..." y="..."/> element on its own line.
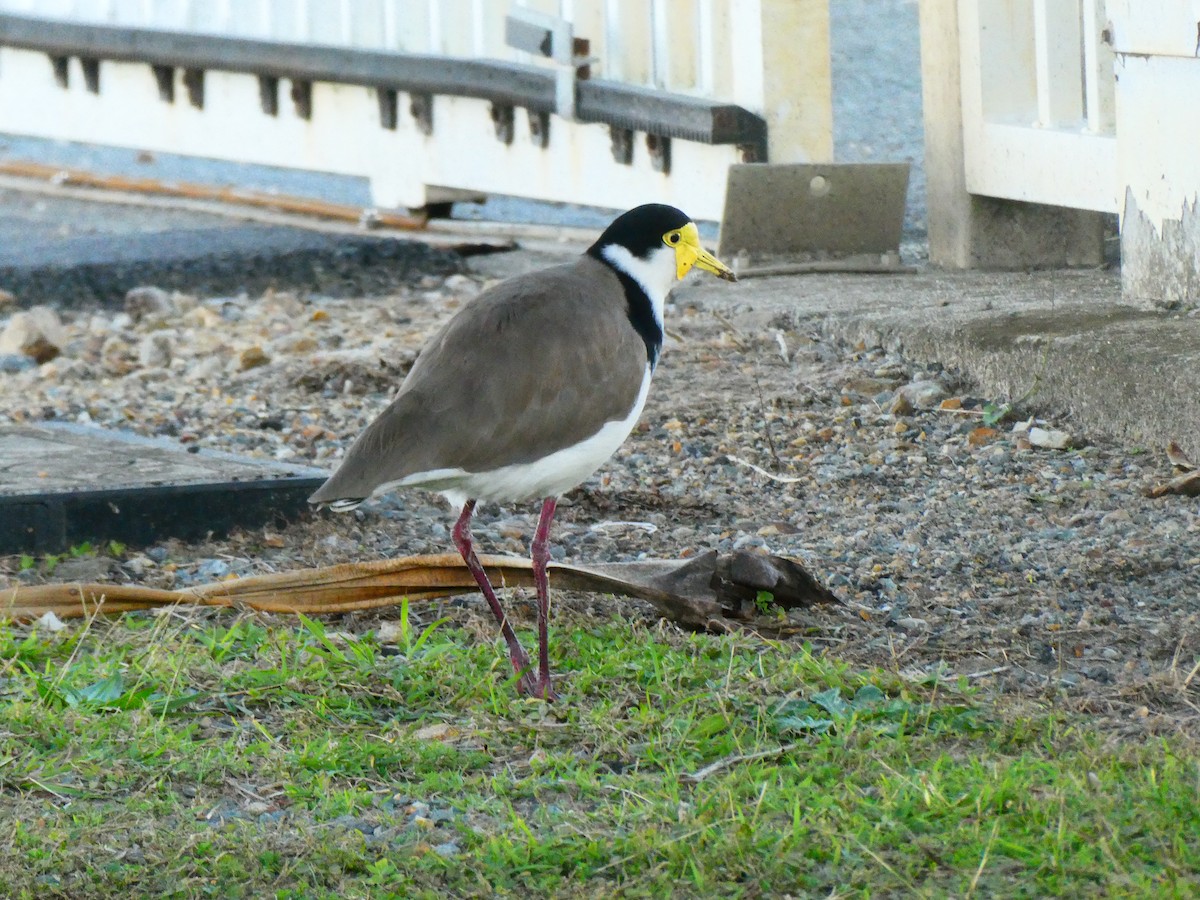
<point x="641" y="229"/>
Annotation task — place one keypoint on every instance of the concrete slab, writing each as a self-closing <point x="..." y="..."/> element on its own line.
<point x="70" y="252"/>
<point x="63" y="484"/>
<point x="1060" y="342"/>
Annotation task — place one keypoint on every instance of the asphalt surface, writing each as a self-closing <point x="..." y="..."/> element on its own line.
<point x="69" y="252"/>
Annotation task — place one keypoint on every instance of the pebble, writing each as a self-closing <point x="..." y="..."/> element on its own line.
<point x="1049" y="439"/>
<point x="252" y="357"/>
<point x="924" y="394"/>
<point x="148" y="303"/>
<point x="15" y="362"/>
<point x="154" y="350"/>
<point x="37" y="333"/>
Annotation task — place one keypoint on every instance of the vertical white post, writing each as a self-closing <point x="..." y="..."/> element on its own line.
<point x="782" y="71"/>
<point x="1057" y="57"/>
<point x="613" y="58"/>
<point x="660" y="44"/>
<point x="478" y="23"/>
<point x="1099" y="79"/>
<point x="705" y="69"/>
<point x="435" y="26"/>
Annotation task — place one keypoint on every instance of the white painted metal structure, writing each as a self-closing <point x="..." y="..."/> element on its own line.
<point x="1083" y="104"/>
<point x="770" y="57"/>
<point x="1038" y="102"/>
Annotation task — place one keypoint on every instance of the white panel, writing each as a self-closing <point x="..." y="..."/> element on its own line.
<point x="1099" y="77"/>
<point x="1040" y="165"/>
<point x="1156" y="27"/>
<point x="1008" y="93"/>
<point x="1058" y="48"/>
<point x="1159" y="133"/>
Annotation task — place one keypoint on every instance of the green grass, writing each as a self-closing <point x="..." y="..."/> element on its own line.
<point x="203" y="754"/>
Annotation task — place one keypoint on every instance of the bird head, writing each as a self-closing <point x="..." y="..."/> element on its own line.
<point x="657" y="245"/>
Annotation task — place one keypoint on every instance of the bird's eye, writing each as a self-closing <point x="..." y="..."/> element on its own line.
<point x="674" y="238"/>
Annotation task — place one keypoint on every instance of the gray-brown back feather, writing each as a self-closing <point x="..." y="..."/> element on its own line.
<point x="533" y="365"/>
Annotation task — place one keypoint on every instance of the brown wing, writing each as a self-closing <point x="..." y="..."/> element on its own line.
<point x="533" y="365"/>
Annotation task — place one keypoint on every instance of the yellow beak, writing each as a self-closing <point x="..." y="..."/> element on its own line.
<point x="689" y="252"/>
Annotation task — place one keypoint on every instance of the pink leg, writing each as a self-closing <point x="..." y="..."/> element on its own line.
<point x="540" y="553"/>
<point x="516" y="653"/>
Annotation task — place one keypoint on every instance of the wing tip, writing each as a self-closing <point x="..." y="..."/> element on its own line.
<point x="344" y="504"/>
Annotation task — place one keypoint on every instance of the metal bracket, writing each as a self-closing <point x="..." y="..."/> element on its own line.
<point x="622" y="144"/>
<point x="539" y="128"/>
<point x="193" y="82"/>
<point x="164" y="77"/>
<point x="62" y="70"/>
<point x="91" y="73"/>
<point x="389" y="107"/>
<point x="420" y="107"/>
<point x="660" y="152"/>
<point x="268" y="94"/>
<point x="302" y="98"/>
<point x="502" y="119"/>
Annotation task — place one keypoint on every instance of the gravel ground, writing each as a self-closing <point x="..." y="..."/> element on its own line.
<point x="959" y="549"/>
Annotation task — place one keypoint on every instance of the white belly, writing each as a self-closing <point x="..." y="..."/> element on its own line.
<point x="548" y="477"/>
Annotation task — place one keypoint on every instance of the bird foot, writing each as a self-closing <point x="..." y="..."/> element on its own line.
<point x="529" y="685"/>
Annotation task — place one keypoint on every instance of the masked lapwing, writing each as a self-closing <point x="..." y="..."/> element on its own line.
<point x="527" y="390"/>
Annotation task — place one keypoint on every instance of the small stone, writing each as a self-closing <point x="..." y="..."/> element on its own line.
<point x="37" y="333"/>
<point x="116" y="355"/>
<point x="867" y="386"/>
<point x="49" y="622"/>
<point x="924" y="393"/>
<point x="11" y="363"/>
<point x="154" y="351"/>
<point x="208" y="367"/>
<point x="447" y="849"/>
<point x="901" y="406"/>
<point x="980" y="436"/>
<point x="148" y="303"/>
<point x="1049" y="439"/>
<point x="911" y="623"/>
<point x="202" y="317"/>
<point x="251" y="358"/>
<point x="514" y="529"/>
<point x="139" y="565"/>
<point x="901" y="427"/>
<point x="295" y="344"/>
<point x="388" y="632"/>
<point x="84" y="568"/>
<point x="950" y="403"/>
<point x="438" y="731"/>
